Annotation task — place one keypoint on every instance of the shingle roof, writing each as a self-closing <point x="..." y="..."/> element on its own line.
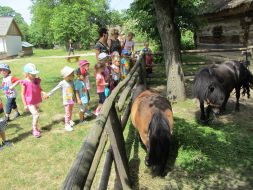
<point x="5" y="23"/>
<point x="26" y="44"/>
<point x="215" y="6"/>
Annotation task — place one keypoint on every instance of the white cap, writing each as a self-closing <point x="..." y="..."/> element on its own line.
<point x="102" y="56"/>
<point x="66" y="71"/>
<point x="30" y="68"/>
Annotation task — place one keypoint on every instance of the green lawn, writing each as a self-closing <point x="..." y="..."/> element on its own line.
<point x="42" y="163"/>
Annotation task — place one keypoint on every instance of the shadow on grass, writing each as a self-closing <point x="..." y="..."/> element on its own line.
<point x="212" y="158"/>
<point x="22" y="136"/>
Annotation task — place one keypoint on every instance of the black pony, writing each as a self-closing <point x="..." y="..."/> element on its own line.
<point x="213" y="85"/>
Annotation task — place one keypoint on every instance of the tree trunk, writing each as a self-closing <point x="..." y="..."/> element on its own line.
<point x="170" y="37"/>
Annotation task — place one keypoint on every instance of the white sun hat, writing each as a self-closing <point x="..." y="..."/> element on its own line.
<point x="66" y="71"/>
<point x="102" y="56"/>
<point x="31" y="69"/>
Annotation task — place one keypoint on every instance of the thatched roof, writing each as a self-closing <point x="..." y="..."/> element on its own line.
<point x="216" y="6"/>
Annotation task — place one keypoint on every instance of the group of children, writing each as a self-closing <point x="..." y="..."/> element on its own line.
<point x="109" y="70"/>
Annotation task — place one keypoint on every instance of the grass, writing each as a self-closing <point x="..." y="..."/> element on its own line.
<point x="214" y="156"/>
<point x="42" y="163"/>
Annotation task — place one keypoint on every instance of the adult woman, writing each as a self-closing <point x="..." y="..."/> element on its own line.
<point x="101" y="45"/>
<point x="113" y="42"/>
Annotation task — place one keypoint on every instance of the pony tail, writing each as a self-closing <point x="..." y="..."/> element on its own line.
<point x="160" y="140"/>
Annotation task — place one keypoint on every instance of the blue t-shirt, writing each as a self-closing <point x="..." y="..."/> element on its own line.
<point x="80" y="86"/>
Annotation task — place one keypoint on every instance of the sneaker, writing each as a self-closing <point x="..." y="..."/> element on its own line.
<point x="68" y="128"/>
<point x="83" y="122"/>
<point x="88" y="113"/>
<point x="97" y="111"/>
<point x="17" y="114"/>
<point x="71" y="123"/>
<point x="36" y="133"/>
<point x="7" y="119"/>
<point x="7" y="143"/>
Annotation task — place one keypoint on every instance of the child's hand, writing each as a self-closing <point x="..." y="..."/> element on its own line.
<point x="79" y="102"/>
<point x="45" y="96"/>
<point x="26" y="108"/>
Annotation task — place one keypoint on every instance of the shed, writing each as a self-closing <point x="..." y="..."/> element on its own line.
<point x="27" y="48"/>
<point x="229" y="24"/>
<point x="10" y="37"/>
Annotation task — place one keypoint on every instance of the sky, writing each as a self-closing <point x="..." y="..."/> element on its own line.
<point x="22" y="6"/>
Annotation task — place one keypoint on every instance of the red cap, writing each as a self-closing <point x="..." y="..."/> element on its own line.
<point x="83" y="62"/>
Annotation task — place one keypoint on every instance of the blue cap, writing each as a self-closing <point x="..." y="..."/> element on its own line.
<point x="4" y="66"/>
<point x="30" y="68"/>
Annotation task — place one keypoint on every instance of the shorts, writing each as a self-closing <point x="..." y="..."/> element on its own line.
<point x="3" y="124"/>
<point x="101" y="97"/>
<point x="82" y="107"/>
<point x="10" y="104"/>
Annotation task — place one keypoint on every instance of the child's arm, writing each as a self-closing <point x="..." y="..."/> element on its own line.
<point x="14" y="84"/>
<point x="23" y="98"/>
<point x="55" y="89"/>
<point x="78" y="97"/>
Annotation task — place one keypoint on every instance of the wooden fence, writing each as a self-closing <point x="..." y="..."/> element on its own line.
<point x="108" y="124"/>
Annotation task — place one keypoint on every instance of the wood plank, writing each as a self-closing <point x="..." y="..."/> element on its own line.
<point x="115" y="133"/>
<point x="96" y="161"/>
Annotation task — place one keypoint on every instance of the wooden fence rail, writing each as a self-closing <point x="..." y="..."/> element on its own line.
<point x="83" y="170"/>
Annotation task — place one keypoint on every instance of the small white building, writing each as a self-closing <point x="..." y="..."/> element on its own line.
<point x="10" y="37"/>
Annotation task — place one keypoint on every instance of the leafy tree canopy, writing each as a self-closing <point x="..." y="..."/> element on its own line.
<point x="56" y="21"/>
<point x="186" y="16"/>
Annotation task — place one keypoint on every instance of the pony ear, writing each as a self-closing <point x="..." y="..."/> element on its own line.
<point x="211" y="88"/>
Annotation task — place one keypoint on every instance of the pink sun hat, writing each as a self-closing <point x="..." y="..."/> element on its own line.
<point x="83" y="62"/>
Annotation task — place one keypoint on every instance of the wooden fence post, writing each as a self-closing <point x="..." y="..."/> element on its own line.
<point x="115" y="133"/>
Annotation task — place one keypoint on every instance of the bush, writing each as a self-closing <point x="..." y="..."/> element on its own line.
<point x="187" y="39"/>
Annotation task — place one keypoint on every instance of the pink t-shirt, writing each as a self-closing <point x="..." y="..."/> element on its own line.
<point x="100" y="82"/>
<point x="32" y="91"/>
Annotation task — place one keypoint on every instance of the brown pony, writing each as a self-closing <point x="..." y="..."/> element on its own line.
<point x="152" y="116"/>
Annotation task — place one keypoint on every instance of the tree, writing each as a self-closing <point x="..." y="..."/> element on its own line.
<point x="65" y="19"/>
<point x="23" y="26"/>
<point x="170" y="36"/>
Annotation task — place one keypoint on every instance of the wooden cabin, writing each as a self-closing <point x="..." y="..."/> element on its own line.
<point x="10" y="37"/>
<point x="229" y="24"/>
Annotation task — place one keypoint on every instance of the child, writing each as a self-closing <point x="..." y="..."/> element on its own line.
<point x="129" y="43"/>
<point x="3" y="125"/>
<point x="104" y="59"/>
<point x="100" y="84"/>
<point x="115" y="70"/>
<point x="148" y="58"/>
<point x="67" y="87"/>
<point x="10" y="94"/>
<point x="125" y="63"/>
<point x="81" y="94"/>
<point x="84" y="67"/>
<point x="31" y="95"/>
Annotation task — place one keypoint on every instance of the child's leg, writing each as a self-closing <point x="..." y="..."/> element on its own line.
<point x="15" y="107"/>
<point x="68" y="113"/>
<point x="34" y="109"/>
<point x="8" y="108"/>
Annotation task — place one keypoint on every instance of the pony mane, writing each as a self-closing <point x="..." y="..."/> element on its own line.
<point x="160" y="140"/>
